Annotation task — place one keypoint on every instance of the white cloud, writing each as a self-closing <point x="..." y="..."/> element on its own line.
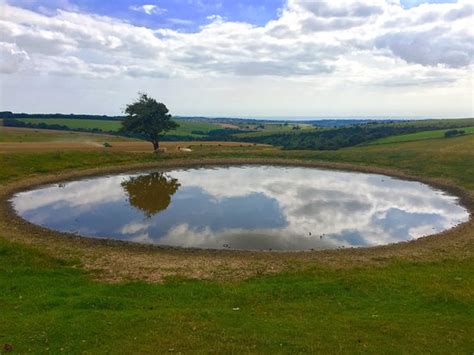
<point x="341" y="8"/>
<point x="11" y="57"/>
<point x="149" y="9"/>
<point x="179" y="21"/>
<point x="431" y="47"/>
<point x="365" y="43"/>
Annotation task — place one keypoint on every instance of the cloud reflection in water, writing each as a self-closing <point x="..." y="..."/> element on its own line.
<point x="252" y="207"/>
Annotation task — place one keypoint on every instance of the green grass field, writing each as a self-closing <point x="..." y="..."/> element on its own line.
<point x="419" y="136"/>
<point x="186" y="127"/>
<point x="272" y="128"/>
<point x="441" y="123"/>
<point x="413" y="306"/>
<point x="12" y="134"/>
<point x="105" y="125"/>
<point x="48" y="306"/>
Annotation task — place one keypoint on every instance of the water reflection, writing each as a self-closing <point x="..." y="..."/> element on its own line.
<point x="150" y="193"/>
<point x="255" y="207"/>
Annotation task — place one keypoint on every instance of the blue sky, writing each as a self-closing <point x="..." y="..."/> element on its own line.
<point x="412" y="3"/>
<point x="185" y="15"/>
<point x="182" y="15"/>
<point x="312" y="58"/>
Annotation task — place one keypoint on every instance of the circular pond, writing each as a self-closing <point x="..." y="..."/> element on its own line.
<point x="248" y="207"/>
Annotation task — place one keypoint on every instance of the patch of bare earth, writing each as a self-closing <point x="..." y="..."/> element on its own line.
<point x="116" y="261"/>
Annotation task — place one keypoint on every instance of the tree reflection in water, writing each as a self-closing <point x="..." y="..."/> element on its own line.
<point x="150" y="193"/>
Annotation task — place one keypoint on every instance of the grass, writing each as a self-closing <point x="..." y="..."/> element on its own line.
<point x="105" y="125"/>
<point x="418" y="136"/>
<point x="441" y="123"/>
<point x="50" y="305"/>
<point x="272" y="128"/>
<point x="13" y="135"/>
<point x="186" y="126"/>
<point x="13" y="166"/>
<point x="451" y="159"/>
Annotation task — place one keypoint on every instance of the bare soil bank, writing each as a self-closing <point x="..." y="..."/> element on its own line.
<point x="118" y="261"/>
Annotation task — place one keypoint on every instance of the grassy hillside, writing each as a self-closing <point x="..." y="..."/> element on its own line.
<point x="349" y="136"/>
<point x="418" y="136"/>
<point x="270" y="129"/>
<point x="441" y="123"/>
<point x="105" y="125"/>
<point x="49" y="304"/>
<point x="186" y="126"/>
<point x="13" y="134"/>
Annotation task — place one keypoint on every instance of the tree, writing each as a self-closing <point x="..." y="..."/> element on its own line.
<point x="149" y="119"/>
<point x="151" y="193"/>
<point x="453" y="133"/>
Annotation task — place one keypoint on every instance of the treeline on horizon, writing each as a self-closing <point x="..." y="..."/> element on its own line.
<point x="11" y="115"/>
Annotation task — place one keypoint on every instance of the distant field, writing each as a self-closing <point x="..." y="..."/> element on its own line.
<point x="418" y="136"/>
<point x="105" y="125"/>
<point x="287" y="135"/>
<point x="185" y="128"/>
<point x="19" y="135"/>
<point x="273" y="128"/>
<point x="441" y="123"/>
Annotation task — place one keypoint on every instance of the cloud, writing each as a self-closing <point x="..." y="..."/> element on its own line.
<point x="317" y="24"/>
<point x="11" y="58"/>
<point x="430" y="47"/>
<point x="318" y="47"/>
<point x="308" y="39"/>
<point x="466" y="10"/>
<point x="179" y="21"/>
<point x="148" y="9"/>
<point x="344" y="8"/>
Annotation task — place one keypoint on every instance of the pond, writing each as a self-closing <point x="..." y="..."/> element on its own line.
<point x="244" y="207"/>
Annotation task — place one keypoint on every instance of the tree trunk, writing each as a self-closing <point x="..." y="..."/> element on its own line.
<point x="156" y="146"/>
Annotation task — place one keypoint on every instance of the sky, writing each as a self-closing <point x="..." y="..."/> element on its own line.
<point x="240" y="58"/>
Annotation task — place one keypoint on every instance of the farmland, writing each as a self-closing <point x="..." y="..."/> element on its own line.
<point x="186" y="127"/>
<point x="104" y="125"/>
<point x="21" y="135"/>
<point x="84" y="296"/>
<point x="419" y="136"/>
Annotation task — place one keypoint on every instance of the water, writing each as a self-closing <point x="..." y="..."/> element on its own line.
<point x="250" y="207"/>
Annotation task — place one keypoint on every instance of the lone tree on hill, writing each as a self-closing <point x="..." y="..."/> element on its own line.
<point x="149" y="119"/>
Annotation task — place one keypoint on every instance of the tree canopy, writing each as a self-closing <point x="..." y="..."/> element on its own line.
<point x="147" y="118"/>
<point x="150" y="193"/>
